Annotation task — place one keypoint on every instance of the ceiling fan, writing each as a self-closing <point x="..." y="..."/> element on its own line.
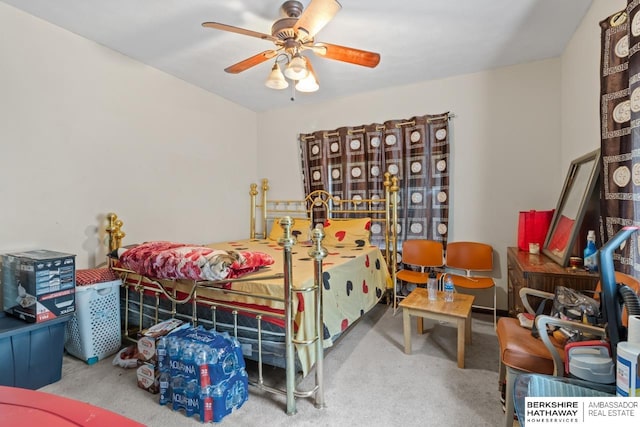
<point x="293" y="35"/>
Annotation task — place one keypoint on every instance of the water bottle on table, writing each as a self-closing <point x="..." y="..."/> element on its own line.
<point x="432" y="286"/>
<point x="448" y="288"/>
<point x="591" y="253"/>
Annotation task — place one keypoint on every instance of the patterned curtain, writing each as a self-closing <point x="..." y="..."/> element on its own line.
<point x="350" y="162"/>
<point x="620" y="134"/>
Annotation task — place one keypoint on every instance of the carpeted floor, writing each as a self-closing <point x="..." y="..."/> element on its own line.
<point x="369" y="381"/>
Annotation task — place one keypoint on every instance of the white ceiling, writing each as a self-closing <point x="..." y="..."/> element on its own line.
<point x="417" y="40"/>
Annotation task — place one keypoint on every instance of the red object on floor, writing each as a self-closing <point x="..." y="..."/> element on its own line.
<point x="22" y="407"/>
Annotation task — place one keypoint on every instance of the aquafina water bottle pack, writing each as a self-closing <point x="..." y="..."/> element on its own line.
<point x="203" y="373"/>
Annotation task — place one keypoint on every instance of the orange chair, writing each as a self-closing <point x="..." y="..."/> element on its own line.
<point x="521" y="352"/>
<point x="463" y="260"/>
<point x="417" y="253"/>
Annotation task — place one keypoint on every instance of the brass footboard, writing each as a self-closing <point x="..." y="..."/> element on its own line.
<point x="170" y="290"/>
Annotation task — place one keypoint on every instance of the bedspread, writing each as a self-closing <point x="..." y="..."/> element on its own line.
<point x="354" y="280"/>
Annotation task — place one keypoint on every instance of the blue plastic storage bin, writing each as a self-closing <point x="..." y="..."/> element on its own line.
<point x="31" y="353"/>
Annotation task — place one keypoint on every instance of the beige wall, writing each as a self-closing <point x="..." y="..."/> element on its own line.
<point x="71" y="102"/>
<point x="505" y="144"/>
<point x="516" y="131"/>
<point x="85" y="131"/>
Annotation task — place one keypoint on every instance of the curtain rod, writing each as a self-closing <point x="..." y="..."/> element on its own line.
<point x="448" y="116"/>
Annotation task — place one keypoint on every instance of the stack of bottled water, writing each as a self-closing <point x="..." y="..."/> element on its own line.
<point x="202" y="373"/>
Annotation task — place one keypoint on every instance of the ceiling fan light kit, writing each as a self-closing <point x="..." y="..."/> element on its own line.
<point x="297" y="68"/>
<point x="309" y="83"/>
<point x="276" y="79"/>
<point x="292" y="35"/>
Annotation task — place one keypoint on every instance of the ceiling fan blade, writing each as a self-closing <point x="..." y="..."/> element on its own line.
<point x="316" y="16"/>
<point x="251" y="62"/>
<point x="347" y="54"/>
<point x="238" y="30"/>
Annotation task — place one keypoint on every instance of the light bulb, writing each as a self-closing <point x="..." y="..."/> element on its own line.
<point x="297" y="68"/>
<point x="276" y="80"/>
<point x="308" y="84"/>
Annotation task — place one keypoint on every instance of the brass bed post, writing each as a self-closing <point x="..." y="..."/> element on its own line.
<point x="394" y="219"/>
<point x="387" y="216"/>
<point x="253" y="192"/>
<point x="391" y="224"/>
<point x="318" y="252"/>
<point x="394" y="234"/>
<point x="114" y="229"/>
<point x="265" y="188"/>
<point x="287" y="241"/>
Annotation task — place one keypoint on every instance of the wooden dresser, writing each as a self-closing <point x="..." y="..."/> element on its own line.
<point x="540" y="272"/>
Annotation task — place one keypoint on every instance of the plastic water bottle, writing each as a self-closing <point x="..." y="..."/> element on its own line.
<point x="448" y="288"/>
<point x="207" y="403"/>
<point x="193" y="401"/>
<point x="432" y="286"/>
<point x="161" y="354"/>
<point x="173" y="349"/>
<point x="241" y="390"/>
<point x="217" y="392"/>
<point x="177" y="392"/>
<point x="591" y="253"/>
<point x="187" y="356"/>
<point x="165" y="388"/>
<point x="202" y="362"/>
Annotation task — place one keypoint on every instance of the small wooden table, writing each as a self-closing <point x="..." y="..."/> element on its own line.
<point x="458" y="311"/>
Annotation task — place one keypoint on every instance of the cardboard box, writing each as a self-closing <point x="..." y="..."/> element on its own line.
<point x="38" y="285"/>
<point x="148" y="376"/>
<point x="148" y="371"/>
<point x="149" y="337"/>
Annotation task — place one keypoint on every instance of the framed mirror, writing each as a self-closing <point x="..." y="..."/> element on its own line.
<point x="575" y="198"/>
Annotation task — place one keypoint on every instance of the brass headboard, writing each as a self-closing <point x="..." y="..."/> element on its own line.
<point x="381" y="210"/>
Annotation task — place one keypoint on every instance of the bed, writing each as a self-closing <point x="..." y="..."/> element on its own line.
<point x="317" y="273"/>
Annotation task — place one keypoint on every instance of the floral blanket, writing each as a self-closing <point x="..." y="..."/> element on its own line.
<point x="169" y="260"/>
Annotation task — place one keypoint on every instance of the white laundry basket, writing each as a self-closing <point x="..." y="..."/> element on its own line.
<point x="93" y="332"/>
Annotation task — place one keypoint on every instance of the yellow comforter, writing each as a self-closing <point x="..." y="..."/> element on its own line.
<point x="354" y="280"/>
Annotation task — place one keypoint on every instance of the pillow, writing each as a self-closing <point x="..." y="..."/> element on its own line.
<point x="347" y="232"/>
<point x="300" y="229"/>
